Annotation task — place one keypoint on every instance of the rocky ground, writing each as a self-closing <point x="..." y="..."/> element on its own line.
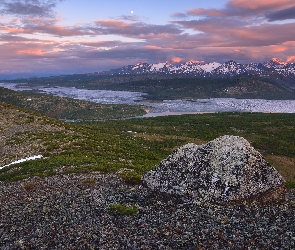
<point x="71" y="212"/>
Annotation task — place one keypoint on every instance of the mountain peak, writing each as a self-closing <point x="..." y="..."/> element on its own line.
<point x="277" y="61"/>
<point x="139" y="63"/>
<point x="190" y="62"/>
<point x="231" y="62"/>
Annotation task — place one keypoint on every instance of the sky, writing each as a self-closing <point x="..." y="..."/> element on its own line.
<point x="74" y="36"/>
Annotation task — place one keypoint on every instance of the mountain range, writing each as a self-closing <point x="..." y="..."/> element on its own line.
<point x="273" y="68"/>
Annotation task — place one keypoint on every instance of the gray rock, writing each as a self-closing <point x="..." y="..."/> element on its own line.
<point x="227" y="169"/>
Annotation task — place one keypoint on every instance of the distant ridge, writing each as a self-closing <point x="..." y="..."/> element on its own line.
<point x="213" y="69"/>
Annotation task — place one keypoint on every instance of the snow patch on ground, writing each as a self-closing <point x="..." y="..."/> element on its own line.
<point x="23" y="160"/>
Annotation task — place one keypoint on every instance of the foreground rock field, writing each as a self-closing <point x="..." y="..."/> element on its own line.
<point x="71" y="212"/>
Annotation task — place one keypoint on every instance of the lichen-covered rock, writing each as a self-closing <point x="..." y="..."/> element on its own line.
<point x="227" y="169"/>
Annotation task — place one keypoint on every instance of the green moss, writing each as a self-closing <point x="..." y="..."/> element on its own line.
<point x="131" y="177"/>
<point x="123" y="209"/>
<point x="290" y="184"/>
<point x="89" y="182"/>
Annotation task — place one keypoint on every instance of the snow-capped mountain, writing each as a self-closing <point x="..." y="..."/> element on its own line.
<point x="213" y="69"/>
<point x="285" y="69"/>
<point x="230" y="68"/>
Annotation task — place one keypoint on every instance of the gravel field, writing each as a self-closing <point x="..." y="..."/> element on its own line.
<point x="71" y="212"/>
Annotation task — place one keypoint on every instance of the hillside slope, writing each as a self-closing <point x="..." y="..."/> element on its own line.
<point x="65" y="210"/>
<point x="23" y="133"/>
<point x="198" y="88"/>
<point x="137" y="144"/>
<point x="68" y="108"/>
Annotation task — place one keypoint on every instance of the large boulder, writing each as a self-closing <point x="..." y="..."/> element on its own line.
<point x="225" y="170"/>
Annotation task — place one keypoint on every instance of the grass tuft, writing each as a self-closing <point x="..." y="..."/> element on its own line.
<point x="130" y="176"/>
<point x="89" y="182"/>
<point x="123" y="209"/>
<point x="290" y="184"/>
<point x="30" y="186"/>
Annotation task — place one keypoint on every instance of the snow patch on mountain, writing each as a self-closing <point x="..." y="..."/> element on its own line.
<point x="157" y="66"/>
<point x="210" y="66"/>
<point x="138" y="65"/>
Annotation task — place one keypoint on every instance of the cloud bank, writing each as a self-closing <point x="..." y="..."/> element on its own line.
<point x="29" y="7"/>
<point x="242" y="30"/>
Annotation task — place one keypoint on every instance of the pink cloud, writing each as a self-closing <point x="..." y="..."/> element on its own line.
<point x="279" y="49"/>
<point x="31" y="52"/>
<point x="135" y="29"/>
<point x="225" y="33"/>
<point x="239" y="31"/>
<point x="113" y="24"/>
<point x="12" y="30"/>
<point x="290" y="59"/>
<point x="151" y="47"/>
<point x="43" y="26"/>
<point x="206" y="12"/>
<point x="176" y="59"/>
<point x="242" y="9"/>
<point x="262" y="5"/>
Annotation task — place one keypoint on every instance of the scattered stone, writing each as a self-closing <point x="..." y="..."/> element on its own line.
<point x="59" y="214"/>
<point x="227" y="169"/>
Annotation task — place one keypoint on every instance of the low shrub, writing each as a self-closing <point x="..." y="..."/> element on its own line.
<point x="89" y="182"/>
<point x="290" y="184"/>
<point x="30" y="186"/>
<point x="123" y="209"/>
<point x="131" y="177"/>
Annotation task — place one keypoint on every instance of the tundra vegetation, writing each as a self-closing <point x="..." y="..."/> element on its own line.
<point x="132" y="147"/>
<point x="123" y="209"/>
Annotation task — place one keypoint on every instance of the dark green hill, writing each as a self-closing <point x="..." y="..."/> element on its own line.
<point x="197" y="88"/>
<point x="68" y="108"/>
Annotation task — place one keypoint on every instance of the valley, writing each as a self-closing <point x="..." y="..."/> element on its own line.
<point x="135" y="125"/>
<point x="98" y="159"/>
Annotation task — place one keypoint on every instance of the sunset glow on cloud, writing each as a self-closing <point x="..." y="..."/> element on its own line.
<point x="63" y="36"/>
<point x="176" y="59"/>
